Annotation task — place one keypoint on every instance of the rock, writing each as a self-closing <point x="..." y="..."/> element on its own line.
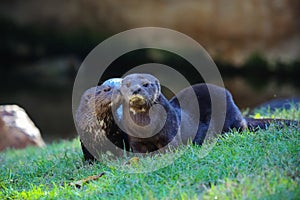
<point x="16" y="129"/>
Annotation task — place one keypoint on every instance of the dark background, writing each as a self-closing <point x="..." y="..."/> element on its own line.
<point x="255" y="44"/>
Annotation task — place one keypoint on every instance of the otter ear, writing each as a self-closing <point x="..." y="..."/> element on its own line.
<point x="87" y="98"/>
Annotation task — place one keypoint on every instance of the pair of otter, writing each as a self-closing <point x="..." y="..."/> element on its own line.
<point x="133" y="114"/>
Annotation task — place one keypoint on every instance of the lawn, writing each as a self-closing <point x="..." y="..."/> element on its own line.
<point x="247" y="165"/>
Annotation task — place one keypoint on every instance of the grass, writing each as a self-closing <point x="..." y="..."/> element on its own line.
<point x="261" y="165"/>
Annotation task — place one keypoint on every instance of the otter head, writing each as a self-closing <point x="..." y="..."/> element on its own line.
<point x="140" y="91"/>
<point x="96" y="104"/>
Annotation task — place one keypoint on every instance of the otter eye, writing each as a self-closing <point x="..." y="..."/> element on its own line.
<point x="127" y="84"/>
<point x="107" y="89"/>
<point x="146" y="84"/>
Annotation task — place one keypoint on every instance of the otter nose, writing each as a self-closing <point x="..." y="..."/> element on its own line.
<point x="136" y="91"/>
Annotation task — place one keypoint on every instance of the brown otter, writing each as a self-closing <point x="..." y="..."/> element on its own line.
<point x="95" y="122"/>
<point x="149" y="120"/>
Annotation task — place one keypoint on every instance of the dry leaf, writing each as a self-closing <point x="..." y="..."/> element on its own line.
<point x="79" y="183"/>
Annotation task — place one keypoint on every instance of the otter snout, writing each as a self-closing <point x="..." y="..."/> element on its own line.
<point x="137" y="100"/>
<point x="136" y="91"/>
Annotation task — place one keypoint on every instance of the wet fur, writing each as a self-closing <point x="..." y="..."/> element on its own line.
<point x="136" y="117"/>
<point x="233" y="116"/>
<point x="95" y="122"/>
<point x="136" y="114"/>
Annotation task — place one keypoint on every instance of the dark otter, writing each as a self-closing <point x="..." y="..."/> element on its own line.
<point x="149" y="120"/>
<point x="95" y="122"/>
<point x="142" y="91"/>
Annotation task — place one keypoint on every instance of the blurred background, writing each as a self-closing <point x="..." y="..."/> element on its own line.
<point x="255" y="44"/>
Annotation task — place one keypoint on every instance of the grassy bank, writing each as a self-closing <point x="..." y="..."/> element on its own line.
<point x="262" y="165"/>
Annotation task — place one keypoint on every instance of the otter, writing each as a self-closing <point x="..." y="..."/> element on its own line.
<point x="149" y="120"/>
<point x="140" y="92"/>
<point x="95" y="121"/>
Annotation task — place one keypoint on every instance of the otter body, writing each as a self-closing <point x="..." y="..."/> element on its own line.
<point x="204" y="94"/>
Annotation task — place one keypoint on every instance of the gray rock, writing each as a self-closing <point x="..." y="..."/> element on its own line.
<point x="16" y="129"/>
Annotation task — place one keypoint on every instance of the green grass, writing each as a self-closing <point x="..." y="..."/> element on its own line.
<point x="262" y="165"/>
